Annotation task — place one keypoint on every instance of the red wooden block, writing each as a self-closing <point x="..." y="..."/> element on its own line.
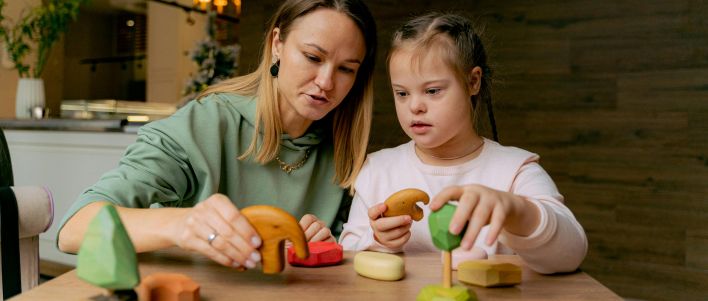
<point x="322" y="253"/>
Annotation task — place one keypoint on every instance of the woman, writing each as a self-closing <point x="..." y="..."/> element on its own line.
<point x="292" y="134"/>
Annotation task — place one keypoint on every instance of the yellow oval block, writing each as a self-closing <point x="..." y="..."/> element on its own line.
<point x="379" y="266"/>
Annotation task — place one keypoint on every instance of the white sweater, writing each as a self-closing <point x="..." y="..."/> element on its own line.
<point x="557" y="245"/>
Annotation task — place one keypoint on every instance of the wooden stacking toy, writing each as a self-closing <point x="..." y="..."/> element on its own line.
<point x="439" y="223"/>
<point x="322" y="253"/>
<point x="379" y="266"/>
<point x="274" y="226"/>
<point x="488" y="273"/>
<point x="404" y="203"/>
<point x="107" y="256"/>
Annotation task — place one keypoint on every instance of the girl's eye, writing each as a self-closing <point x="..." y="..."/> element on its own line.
<point x="401" y="93"/>
<point x="432" y="91"/>
<point x="312" y="58"/>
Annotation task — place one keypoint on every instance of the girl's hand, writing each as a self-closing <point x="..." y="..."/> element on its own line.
<point x="391" y="232"/>
<point x="480" y="205"/>
<point x="315" y="229"/>
<point x="216" y="229"/>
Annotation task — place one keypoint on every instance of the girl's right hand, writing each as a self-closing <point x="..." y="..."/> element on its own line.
<point x="391" y="232"/>
<point x="235" y="240"/>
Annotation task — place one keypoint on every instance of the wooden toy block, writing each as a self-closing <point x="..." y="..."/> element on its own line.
<point x="404" y="202"/>
<point x="322" y="253"/>
<point x="379" y="266"/>
<point x="274" y="226"/>
<point x="168" y="287"/>
<point x="439" y="224"/>
<point x="438" y="293"/>
<point x="107" y="256"/>
<point x="488" y="273"/>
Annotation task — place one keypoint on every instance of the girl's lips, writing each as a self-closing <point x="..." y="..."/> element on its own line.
<point x="420" y="128"/>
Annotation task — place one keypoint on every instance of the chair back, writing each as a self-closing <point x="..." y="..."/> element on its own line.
<point x="25" y="212"/>
<point x="6" y="179"/>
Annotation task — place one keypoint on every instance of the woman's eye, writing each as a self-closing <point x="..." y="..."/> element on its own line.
<point x="313" y="58"/>
<point x="346" y="70"/>
<point x="432" y="91"/>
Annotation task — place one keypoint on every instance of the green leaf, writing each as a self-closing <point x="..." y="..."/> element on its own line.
<point x="42" y="26"/>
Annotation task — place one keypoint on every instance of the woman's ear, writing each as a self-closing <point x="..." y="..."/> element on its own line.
<point x="475" y="80"/>
<point x="277" y="45"/>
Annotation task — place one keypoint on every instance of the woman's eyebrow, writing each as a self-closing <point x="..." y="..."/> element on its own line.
<point x="325" y="52"/>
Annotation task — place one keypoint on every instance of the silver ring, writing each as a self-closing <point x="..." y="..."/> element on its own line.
<point x="212" y="237"/>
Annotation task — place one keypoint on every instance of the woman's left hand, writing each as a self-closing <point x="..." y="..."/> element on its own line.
<point x="315" y="229"/>
<point x="480" y="205"/>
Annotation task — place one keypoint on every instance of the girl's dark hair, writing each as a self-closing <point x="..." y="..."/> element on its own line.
<point x="456" y="40"/>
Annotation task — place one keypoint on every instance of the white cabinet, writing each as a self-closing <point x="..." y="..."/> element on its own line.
<point x="66" y="163"/>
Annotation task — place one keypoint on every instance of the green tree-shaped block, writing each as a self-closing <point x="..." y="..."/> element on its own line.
<point x="439" y="223"/>
<point x="107" y="257"/>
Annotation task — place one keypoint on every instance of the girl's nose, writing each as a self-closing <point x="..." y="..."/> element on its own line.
<point x="324" y="78"/>
<point x="417" y="105"/>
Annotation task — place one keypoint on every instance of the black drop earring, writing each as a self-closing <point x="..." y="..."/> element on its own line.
<point x="275" y="68"/>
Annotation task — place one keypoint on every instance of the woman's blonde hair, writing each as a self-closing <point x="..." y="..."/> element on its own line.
<point x="350" y="121"/>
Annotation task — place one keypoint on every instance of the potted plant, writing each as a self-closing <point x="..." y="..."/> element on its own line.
<point x="38" y="27"/>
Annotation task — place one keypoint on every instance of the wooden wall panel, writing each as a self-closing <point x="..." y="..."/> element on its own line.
<point x="697" y="248"/>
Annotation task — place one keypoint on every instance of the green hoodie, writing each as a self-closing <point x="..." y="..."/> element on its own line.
<point x="181" y="160"/>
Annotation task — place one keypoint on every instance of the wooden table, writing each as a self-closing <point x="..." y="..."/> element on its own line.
<point x="327" y="283"/>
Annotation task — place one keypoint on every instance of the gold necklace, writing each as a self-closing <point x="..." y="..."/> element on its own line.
<point x="288" y="168"/>
<point x="452" y="158"/>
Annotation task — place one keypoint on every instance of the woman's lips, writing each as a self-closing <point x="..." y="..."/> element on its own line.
<point x="316" y="99"/>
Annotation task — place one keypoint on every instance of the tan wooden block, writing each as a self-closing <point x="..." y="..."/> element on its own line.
<point x="274" y="226"/>
<point x="488" y="273"/>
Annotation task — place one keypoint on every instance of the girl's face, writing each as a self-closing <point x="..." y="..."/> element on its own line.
<point x="319" y="60"/>
<point x="432" y="105"/>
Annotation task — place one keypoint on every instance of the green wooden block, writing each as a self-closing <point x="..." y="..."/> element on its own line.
<point x="438" y="293"/>
<point x="439" y="223"/>
<point x="107" y="257"/>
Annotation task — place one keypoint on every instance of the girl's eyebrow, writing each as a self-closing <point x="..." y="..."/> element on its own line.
<point x="325" y="52"/>
<point x="436" y="81"/>
<point x="430" y="82"/>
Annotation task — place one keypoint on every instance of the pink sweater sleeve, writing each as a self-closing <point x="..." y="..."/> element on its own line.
<point x="559" y="243"/>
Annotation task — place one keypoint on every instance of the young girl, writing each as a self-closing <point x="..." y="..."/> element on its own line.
<point x="440" y="80"/>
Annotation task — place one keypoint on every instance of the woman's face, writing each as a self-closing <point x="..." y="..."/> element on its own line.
<point x="319" y="61"/>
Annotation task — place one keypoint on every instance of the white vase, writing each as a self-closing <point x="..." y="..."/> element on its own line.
<point x="30" y="93"/>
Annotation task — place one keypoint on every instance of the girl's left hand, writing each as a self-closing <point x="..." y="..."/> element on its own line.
<point x="315" y="229"/>
<point x="480" y="205"/>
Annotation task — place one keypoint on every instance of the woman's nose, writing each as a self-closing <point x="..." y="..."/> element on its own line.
<point x="324" y="78"/>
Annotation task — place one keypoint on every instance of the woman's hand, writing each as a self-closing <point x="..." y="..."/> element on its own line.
<point x="216" y="228"/>
<point x="315" y="229"/>
<point x="391" y="232"/>
<point x="480" y="205"/>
